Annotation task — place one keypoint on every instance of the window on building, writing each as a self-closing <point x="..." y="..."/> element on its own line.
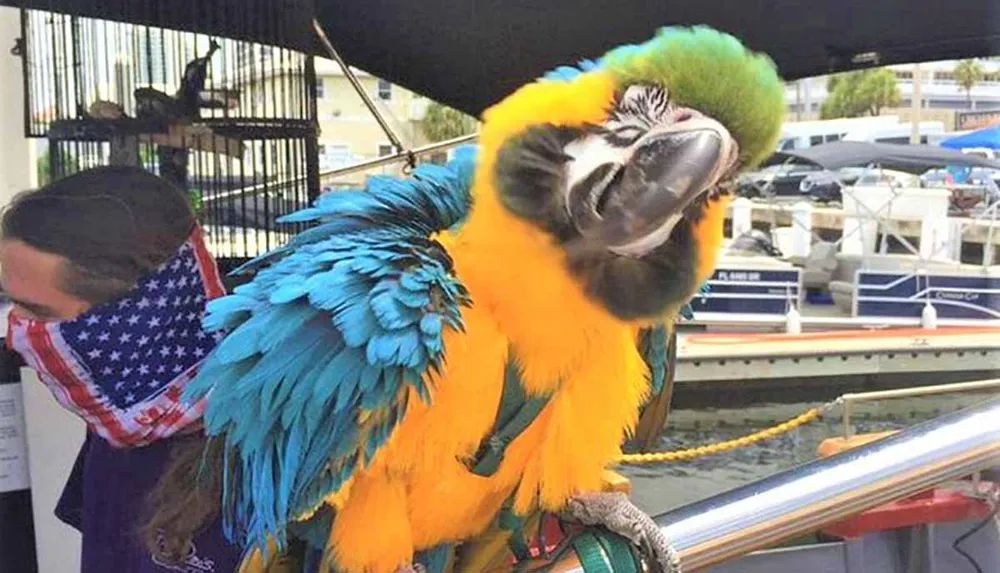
<point x="894" y="140"/>
<point x="334" y="156"/>
<point x="384" y="90"/>
<point x="320" y="88"/>
<point x="385" y="149"/>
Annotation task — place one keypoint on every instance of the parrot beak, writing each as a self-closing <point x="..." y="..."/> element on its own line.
<point x="668" y="168"/>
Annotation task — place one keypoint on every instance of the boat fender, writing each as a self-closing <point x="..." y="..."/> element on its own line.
<point x="928" y="317"/>
<point x="793" y="321"/>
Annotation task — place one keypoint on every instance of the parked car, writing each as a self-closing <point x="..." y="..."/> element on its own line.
<point x="879" y="177"/>
<point x="825" y="186"/>
<point x="774" y="181"/>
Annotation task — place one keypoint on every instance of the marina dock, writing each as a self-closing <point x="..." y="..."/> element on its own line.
<point x="803" y="359"/>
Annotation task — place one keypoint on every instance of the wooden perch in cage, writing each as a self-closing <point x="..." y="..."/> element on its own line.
<point x="196" y="137"/>
<point x="219" y="99"/>
<point x="180" y="133"/>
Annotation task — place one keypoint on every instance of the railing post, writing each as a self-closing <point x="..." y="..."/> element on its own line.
<point x="956" y="232"/>
<point x="934" y="236"/>
<point x="742" y="216"/>
<point x="802" y="216"/>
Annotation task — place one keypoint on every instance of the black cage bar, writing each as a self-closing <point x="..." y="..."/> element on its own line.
<point x="233" y="122"/>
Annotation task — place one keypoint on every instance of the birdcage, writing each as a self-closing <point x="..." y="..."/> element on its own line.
<point x="231" y="121"/>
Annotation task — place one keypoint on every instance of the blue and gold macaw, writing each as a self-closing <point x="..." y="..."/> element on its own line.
<point x="470" y="339"/>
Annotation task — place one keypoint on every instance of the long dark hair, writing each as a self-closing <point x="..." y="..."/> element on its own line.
<point x="113" y="225"/>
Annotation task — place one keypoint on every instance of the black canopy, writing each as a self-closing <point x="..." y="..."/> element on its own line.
<point x="909" y="158"/>
<point x="470" y="53"/>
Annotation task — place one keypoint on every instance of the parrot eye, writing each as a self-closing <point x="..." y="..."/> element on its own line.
<point x="624" y="136"/>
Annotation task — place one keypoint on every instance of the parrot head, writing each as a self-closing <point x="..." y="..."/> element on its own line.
<point x="624" y="164"/>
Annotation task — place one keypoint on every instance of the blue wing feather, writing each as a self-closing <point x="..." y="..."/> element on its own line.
<point x="342" y="321"/>
<point x="653" y="342"/>
<point x="653" y="347"/>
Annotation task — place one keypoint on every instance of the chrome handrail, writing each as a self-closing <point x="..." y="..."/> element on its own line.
<point x="804" y="499"/>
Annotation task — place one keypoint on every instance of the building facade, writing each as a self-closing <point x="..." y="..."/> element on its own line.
<point x="349" y="133"/>
<point x="944" y="100"/>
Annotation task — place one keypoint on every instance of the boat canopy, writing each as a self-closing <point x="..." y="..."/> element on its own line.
<point x="988" y="137"/>
<point x="471" y="53"/>
<point x="914" y="159"/>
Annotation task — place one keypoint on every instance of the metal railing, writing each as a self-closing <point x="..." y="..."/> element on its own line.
<point x="804" y="499"/>
<point x="847" y="401"/>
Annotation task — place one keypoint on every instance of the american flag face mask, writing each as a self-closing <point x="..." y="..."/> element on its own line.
<point x="123" y="365"/>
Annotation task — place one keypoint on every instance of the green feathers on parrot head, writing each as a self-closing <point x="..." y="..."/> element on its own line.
<point x="714" y="73"/>
<point x="621" y="178"/>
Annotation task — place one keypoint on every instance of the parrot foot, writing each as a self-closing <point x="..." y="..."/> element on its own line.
<point x="614" y="511"/>
<point x="413" y="568"/>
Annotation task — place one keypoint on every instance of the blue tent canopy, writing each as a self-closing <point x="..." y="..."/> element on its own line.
<point x="988" y="137"/>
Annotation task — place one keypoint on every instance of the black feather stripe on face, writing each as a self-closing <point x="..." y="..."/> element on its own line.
<point x="635" y="288"/>
<point x="530" y="174"/>
<point x="531" y="181"/>
<point x="647" y="102"/>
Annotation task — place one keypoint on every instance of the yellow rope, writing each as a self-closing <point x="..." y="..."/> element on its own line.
<point x="691" y="453"/>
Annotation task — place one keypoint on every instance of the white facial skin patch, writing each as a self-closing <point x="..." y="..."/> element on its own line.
<point x="642" y="115"/>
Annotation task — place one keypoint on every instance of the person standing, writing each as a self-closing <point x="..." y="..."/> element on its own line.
<point x="108" y="275"/>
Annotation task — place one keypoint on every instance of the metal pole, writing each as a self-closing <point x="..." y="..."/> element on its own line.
<point x="386" y="160"/>
<point x="806" y="498"/>
<point x="17" y="525"/>
<point x="358" y="87"/>
<point x="922" y="391"/>
<point x="916" y="104"/>
<point x="848" y="430"/>
<point x="988" y="246"/>
<point x="361" y="166"/>
<point x="848" y="400"/>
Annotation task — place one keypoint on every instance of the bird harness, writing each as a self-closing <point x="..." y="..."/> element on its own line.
<point x="598" y="549"/>
<point x="515" y="413"/>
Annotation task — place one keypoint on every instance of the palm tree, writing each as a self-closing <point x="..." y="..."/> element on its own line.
<point x="442" y="122"/>
<point x="968" y="73"/>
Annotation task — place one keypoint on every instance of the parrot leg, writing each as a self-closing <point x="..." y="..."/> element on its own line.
<point x="614" y="511"/>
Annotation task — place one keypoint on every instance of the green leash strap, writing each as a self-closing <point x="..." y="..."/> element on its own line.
<point x="518" y="542"/>
<point x="601" y="551"/>
<point x="516" y="412"/>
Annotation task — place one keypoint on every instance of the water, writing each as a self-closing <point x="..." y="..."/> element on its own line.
<point x="660" y="487"/>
